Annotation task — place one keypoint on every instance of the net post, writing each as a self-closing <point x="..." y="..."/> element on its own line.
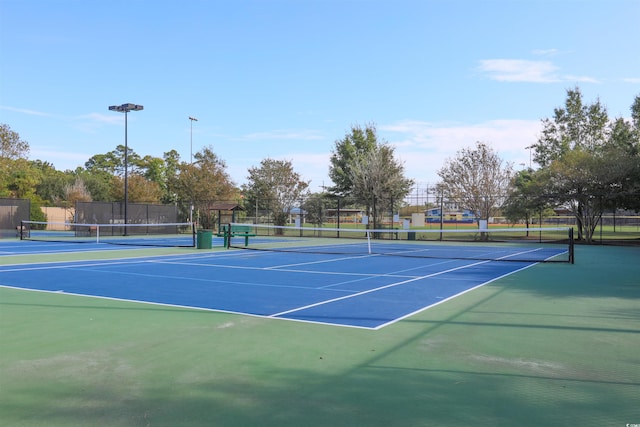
<point x="227" y="236"/>
<point x="571" y="247"/>
<point x="21" y="229"/>
<point x="193" y="233"/>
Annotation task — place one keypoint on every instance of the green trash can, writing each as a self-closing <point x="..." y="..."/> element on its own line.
<point x="203" y="239"/>
<point x="411" y="235"/>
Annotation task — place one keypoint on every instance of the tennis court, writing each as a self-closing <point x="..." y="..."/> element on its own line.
<point x="99" y="334"/>
<point x="359" y="290"/>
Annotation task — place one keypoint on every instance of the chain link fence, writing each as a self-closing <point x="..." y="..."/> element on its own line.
<point x="12" y="213"/>
<point x="426" y="212"/>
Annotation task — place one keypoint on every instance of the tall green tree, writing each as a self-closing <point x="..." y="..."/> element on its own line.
<point x="100" y="184"/>
<point x="51" y="187"/>
<point x="11" y="145"/>
<point x="24" y="179"/>
<point x="277" y="185"/>
<point x="358" y="142"/>
<point x="201" y="184"/>
<point x="154" y="171"/>
<point x="142" y="190"/>
<point x="625" y="138"/>
<point x="315" y="208"/>
<point x="171" y="164"/>
<point x="526" y="197"/>
<point x="113" y="161"/>
<point x="12" y="150"/>
<point x="587" y="160"/>
<point x="476" y="179"/>
<point x="364" y="169"/>
<point x="575" y="126"/>
<point x="107" y="162"/>
<point x="377" y="181"/>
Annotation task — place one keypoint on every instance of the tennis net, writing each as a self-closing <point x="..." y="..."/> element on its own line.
<point x="179" y="234"/>
<point x="506" y="244"/>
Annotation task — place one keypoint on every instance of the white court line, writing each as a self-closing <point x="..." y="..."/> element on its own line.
<point x="77" y="263"/>
<point x="283" y="266"/>
<point x="74" y="265"/>
<point x="443" y="300"/>
<point x="377" y="289"/>
<point x="241" y="267"/>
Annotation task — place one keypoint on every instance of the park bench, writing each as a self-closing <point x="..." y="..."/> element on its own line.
<point x="227" y="231"/>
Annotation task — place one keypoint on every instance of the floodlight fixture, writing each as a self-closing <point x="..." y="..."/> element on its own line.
<point x="192" y="119"/>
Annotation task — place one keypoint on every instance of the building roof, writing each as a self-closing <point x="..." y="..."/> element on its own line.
<point x="225" y="207"/>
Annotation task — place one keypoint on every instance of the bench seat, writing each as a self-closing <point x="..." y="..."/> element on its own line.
<point x="245" y="231"/>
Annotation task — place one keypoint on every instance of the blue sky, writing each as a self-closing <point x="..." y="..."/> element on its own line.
<point x="285" y="79"/>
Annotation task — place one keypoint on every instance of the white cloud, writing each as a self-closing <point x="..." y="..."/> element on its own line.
<point x="522" y="70"/>
<point x="519" y="70"/>
<point x="25" y="111"/>
<point x="86" y="122"/>
<point x="634" y="80"/>
<point x="425" y="147"/>
<point x="101" y="118"/>
<point x="90" y="123"/>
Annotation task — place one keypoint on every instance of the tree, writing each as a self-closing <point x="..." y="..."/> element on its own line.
<point x="588" y="162"/>
<point x="315" y="208"/>
<point x="11" y="146"/>
<point x="76" y="192"/>
<point x="13" y="153"/>
<point x="107" y="162"/>
<point x="101" y="185"/>
<point x="154" y="171"/>
<point x="113" y="161"/>
<point x="24" y="179"/>
<point x="347" y="151"/>
<point x="171" y="163"/>
<point x="51" y="187"/>
<point x="377" y="181"/>
<point x="275" y="183"/>
<point x="582" y="182"/>
<point x="201" y="184"/>
<point x="364" y="169"/>
<point x="633" y="202"/>
<point x="524" y="200"/>
<point x="625" y="137"/>
<point x="142" y="190"/>
<point x="477" y="180"/>
<point x="576" y="126"/>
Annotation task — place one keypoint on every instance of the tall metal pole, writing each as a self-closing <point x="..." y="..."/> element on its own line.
<point x="126" y="172"/>
<point x="125" y="108"/>
<point x="191" y="119"/>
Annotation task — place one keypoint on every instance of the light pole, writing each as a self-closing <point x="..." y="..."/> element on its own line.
<point x="192" y="119"/>
<point x="125" y="108"/>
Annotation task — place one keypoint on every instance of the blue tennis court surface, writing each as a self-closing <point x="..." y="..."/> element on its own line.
<point x="364" y="291"/>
